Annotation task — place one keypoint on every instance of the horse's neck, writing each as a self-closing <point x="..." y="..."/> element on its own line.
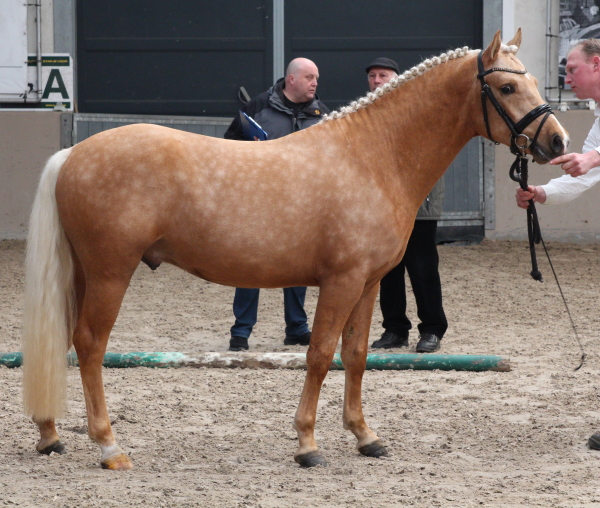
<point x="418" y="129"/>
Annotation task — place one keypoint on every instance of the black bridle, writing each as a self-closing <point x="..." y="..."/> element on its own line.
<point x="516" y="129"/>
<point x="518" y="170"/>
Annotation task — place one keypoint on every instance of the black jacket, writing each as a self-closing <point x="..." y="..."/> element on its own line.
<point x="277" y="120"/>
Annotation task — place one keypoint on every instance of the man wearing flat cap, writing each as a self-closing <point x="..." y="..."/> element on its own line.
<point x="380" y="71"/>
<point x="420" y="261"/>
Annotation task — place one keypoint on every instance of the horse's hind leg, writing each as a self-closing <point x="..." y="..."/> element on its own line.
<point x="49" y="440"/>
<point x="355" y="342"/>
<point x="101" y="305"/>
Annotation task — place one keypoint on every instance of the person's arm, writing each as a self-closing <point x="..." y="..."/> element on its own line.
<point x="235" y="130"/>
<point x="535" y="192"/>
<point x="582" y="172"/>
<point x="578" y="164"/>
<point x="566" y="188"/>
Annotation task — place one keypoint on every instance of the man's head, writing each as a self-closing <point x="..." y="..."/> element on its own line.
<point x="380" y="71"/>
<point x="301" y="80"/>
<point x="583" y="69"/>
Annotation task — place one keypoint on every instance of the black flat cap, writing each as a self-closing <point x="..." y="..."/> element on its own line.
<point x="386" y="63"/>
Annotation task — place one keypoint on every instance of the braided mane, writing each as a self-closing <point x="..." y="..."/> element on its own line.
<point x="408" y="75"/>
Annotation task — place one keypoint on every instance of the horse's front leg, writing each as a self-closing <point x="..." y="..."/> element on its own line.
<point x="355" y="343"/>
<point x="336" y="300"/>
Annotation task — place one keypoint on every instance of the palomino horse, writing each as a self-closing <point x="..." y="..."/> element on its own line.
<point x="330" y="206"/>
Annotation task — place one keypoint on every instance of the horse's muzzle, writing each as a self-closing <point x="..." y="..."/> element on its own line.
<point x="557" y="146"/>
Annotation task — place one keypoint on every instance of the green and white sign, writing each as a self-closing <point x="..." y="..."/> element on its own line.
<point x="57" y="80"/>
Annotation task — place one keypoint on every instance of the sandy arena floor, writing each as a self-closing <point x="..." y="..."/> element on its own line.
<point x="223" y="437"/>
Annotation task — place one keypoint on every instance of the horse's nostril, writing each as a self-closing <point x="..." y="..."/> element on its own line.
<point x="557" y="145"/>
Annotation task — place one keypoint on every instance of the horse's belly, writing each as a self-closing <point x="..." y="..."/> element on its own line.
<point x="234" y="260"/>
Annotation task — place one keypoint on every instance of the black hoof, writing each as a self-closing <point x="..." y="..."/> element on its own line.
<point x="375" y="449"/>
<point x="594" y="441"/>
<point x="56" y="447"/>
<point x="311" y="459"/>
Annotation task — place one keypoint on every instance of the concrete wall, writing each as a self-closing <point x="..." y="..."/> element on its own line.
<point x="27" y="139"/>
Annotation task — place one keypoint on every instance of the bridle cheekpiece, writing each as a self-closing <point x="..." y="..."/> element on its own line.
<point x="516" y="129"/>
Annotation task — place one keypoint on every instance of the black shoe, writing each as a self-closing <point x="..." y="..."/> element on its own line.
<point x="428" y="343"/>
<point x="238" y="343"/>
<point x="303" y="340"/>
<point x="389" y="340"/>
<point x="594" y="441"/>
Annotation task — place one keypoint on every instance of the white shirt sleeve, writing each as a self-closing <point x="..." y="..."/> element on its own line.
<point x="566" y="188"/>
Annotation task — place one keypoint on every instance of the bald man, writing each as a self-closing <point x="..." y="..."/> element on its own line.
<point x="288" y="106"/>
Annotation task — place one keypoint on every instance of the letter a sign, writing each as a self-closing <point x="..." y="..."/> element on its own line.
<point x="55" y="84"/>
<point x="57" y="80"/>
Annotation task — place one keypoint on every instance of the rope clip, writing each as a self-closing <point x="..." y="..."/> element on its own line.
<point x="524" y="147"/>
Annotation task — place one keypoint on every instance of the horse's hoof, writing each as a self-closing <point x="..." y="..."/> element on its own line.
<point x="594" y="441"/>
<point x="311" y="459"/>
<point x="118" y="462"/>
<point x="375" y="449"/>
<point x="56" y="447"/>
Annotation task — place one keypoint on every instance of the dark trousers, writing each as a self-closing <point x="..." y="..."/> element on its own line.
<point x="421" y="261"/>
<point x="245" y="310"/>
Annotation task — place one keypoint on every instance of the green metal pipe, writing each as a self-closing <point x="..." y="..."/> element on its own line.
<point x="476" y="363"/>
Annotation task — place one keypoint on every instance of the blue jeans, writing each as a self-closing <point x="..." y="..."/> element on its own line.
<point x="245" y="310"/>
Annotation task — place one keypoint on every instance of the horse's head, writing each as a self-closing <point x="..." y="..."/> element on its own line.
<point x="514" y="113"/>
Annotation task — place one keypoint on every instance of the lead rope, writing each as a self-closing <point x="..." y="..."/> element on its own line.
<point x="519" y="173"/>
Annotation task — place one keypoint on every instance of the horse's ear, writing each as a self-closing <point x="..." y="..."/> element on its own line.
<point x="491" y="52"/>
<point x="516" y="40"/>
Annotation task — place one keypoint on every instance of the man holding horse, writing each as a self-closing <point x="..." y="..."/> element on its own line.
<point x="582" y="169"/>
<point x="288" y="106"/>
<point x="420" y="261"/>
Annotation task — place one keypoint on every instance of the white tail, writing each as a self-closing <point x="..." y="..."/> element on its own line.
<point x="49" y="302"/>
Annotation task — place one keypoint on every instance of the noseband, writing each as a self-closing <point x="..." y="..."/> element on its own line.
<point x="516" y="129"/>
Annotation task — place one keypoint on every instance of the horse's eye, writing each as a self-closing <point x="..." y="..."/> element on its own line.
<point x="507" y="89"/>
